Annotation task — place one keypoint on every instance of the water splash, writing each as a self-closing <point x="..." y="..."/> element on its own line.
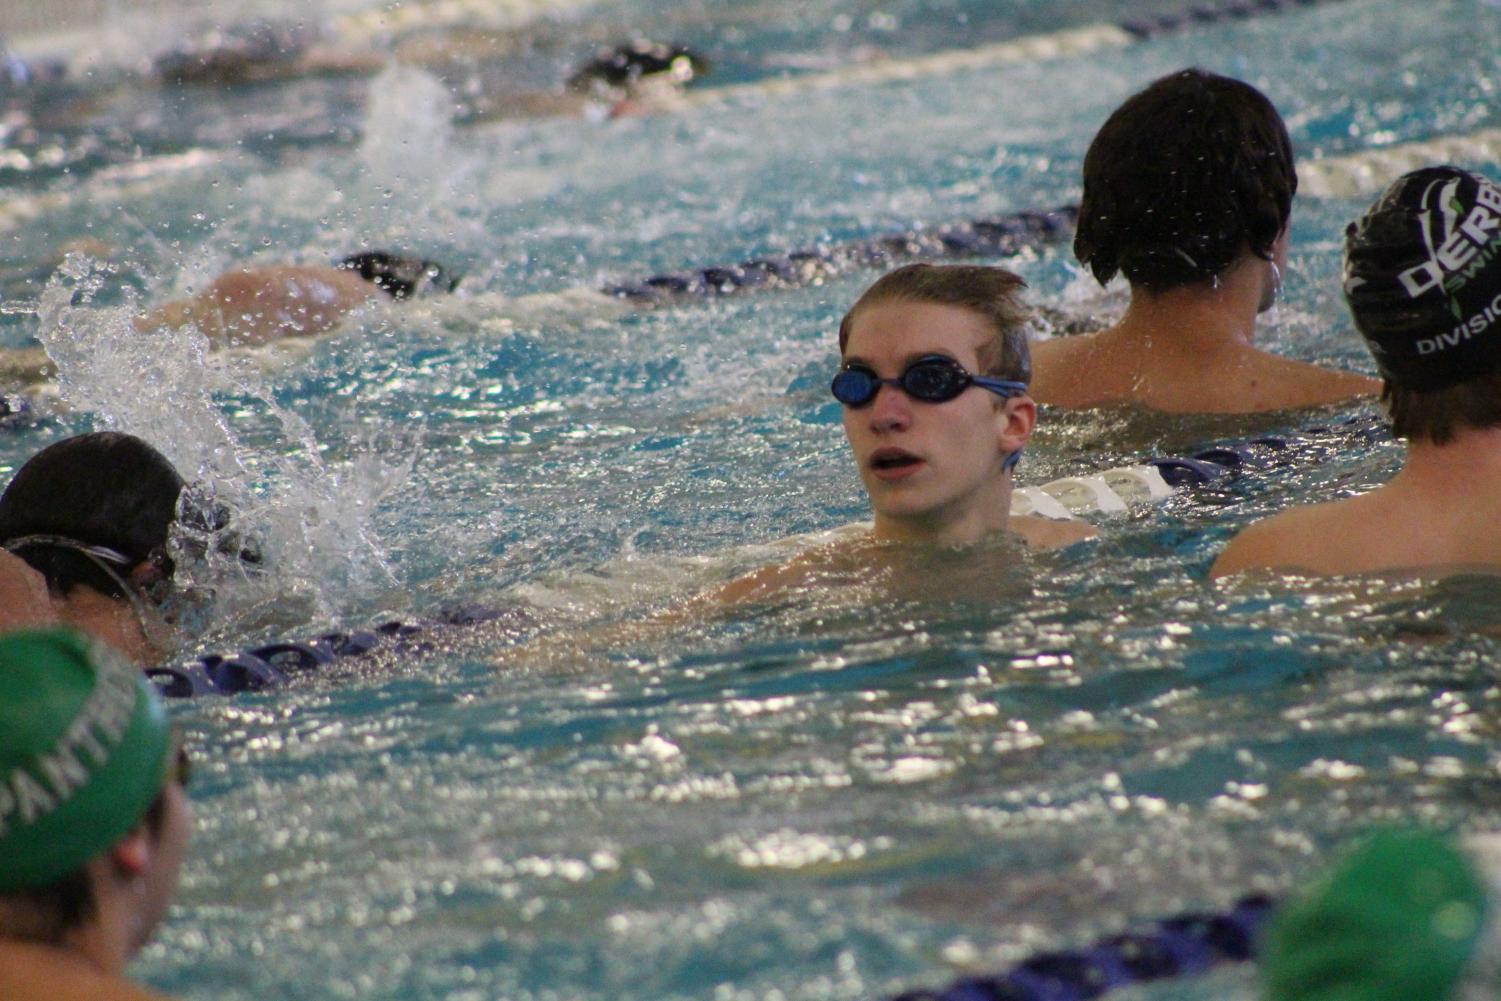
<point x="413" y="177"/>
<point x="211" y="413"/>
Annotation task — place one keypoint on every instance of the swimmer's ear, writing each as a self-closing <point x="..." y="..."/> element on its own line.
<point x="1016" y="419"/>
<point x="131" y="855"/>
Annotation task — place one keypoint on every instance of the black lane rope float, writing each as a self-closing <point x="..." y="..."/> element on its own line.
<point x="1181" y="946"/>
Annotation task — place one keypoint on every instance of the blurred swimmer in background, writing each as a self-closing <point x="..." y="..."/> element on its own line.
<point x="248" y="307"/>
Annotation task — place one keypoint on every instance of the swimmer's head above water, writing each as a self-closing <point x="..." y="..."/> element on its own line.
<point x="933" y="382"/>
<point x="1183" y="180"/>
<point x="94" y="515"/>
<point x="1423" y="281"/>
<point x="624" y="67"/>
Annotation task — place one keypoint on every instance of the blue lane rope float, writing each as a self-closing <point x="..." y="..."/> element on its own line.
<point x="1181" y="946"/>
<point x="1117" y="490"/>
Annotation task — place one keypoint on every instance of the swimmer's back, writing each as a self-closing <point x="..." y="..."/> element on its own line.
<point x="1094" y="370"/>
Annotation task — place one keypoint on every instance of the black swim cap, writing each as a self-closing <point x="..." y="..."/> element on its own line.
<point x="399" y="276"/>
<point x="1423" y="278"/>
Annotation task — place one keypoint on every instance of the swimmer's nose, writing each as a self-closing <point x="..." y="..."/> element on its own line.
<point x="890" y="410"/>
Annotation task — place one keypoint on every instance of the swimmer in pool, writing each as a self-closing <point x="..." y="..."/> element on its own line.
<point x="1188" y="188"/>
<point x="91" y="516"/>
<point x="629" y="78"/>
<point x="247" y="307"/>
<point x="933" y="383"/>
<point x="1423" y="282"/>
<point x="94" y="820"/>
<point x="251" y="306"/>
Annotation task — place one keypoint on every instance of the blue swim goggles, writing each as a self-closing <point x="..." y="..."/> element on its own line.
<point x="931" y="379"/>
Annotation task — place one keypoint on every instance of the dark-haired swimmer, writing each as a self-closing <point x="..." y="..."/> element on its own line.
<point x="635" y="78"/>
<point x="1188" y="188"/>
<point x="623" y="79"/>
<point x="91" y="516"/>
<point x="933" y="383"/>
<point x="1423" y="281"/>
<point x="251" y="306"/>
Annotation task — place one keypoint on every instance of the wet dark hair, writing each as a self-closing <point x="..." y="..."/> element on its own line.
<point x="990" y="292"/>
<point x="1182" y="179"/>
<point x="400" y="276"/>
<point x="1437" y="415"/>
<point x="624" y="66"/>
<point x="102" y="489"/>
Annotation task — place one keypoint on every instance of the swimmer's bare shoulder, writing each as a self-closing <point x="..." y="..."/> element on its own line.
<point x="1063" y="373"/>
<point x="1317" y="538"/>
<point x="1287" y="383"/>
<point x="1050" y="533"/>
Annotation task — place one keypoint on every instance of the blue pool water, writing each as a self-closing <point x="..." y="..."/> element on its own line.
<point x="876" y="785"/>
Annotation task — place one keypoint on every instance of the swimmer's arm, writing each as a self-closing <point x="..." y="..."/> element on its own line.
<point x="24" y="600"/>
<point x="760" y="585"/>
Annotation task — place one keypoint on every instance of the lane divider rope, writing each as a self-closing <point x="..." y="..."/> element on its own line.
<point x="1181" y="946"/>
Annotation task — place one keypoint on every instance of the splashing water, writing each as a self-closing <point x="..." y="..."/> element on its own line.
<point x="411" y="176"/>
<point x="311" y="518"/>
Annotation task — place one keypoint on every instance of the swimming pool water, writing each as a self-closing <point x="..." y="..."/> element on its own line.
<point x="876" y="785"/>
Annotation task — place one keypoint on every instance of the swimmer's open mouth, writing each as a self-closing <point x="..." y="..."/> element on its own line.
<point x="892" y="458"/>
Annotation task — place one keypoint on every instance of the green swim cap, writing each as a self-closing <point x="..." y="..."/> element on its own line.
<point x="84" y="749"/>
<point x="1396" y="920"/>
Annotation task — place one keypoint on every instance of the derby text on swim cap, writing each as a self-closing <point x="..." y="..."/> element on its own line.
<point x="93" y="736"/>
<point x="1423" y="278"/>
<point x="1452" y="258"/>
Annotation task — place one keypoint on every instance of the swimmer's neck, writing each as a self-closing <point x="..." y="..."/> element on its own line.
<point x="1467" y="464"/>
<point x="986" y="519"/>
<point x="1196" y="319"/>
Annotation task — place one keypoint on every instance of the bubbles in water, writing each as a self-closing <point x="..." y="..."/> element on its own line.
<point x="310" y="518"/>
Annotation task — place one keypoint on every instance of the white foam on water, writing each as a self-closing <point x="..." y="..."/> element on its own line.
<point x="312" y="516"/>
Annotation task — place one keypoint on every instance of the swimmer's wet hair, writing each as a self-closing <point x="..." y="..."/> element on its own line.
<point x="400" y="276"/>
<point x="1182" y="179"/>
<point x="993" y="293"/>
<point x="102" y="489"/>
